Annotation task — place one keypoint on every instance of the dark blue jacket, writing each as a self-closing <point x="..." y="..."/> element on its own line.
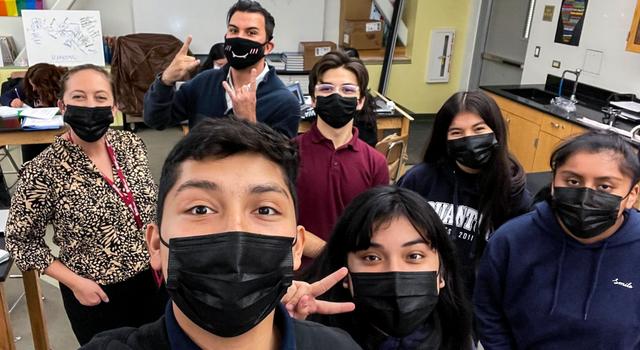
<point x="165" y="334"/>
<point x="538" y="288"/>
<point x="204" y="97"/>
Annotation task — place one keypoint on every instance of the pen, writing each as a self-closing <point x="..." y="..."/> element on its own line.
<point x="17" y="93"/>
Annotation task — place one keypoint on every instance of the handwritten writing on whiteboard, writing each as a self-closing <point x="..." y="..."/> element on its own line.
<point x="65" y="38"/>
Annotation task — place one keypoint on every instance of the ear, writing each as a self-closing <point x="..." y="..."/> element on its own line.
<point x="268" y="47"/>
<point x="152" y="236"/>
<point x="61" y="106"/>
<point x="633" y="196"/>
<point x="441" y="283"/>
<point x="361" y="102"/>
<point x="298" y="248"/>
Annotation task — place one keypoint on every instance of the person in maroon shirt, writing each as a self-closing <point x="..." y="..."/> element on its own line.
<point x="335" y="166"/>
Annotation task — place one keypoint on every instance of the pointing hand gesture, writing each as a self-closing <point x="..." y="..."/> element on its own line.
<point x="243" y="98"/>
<point x="181" y="66"/>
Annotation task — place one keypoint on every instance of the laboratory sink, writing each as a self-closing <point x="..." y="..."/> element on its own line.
<point x="536" y="95"/>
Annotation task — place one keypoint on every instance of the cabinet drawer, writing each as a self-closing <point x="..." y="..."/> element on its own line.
<point x="557" y="127"/>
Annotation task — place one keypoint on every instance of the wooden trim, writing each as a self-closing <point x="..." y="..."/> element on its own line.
<point x="634" y="32"/>
<point x="33" y="295"/>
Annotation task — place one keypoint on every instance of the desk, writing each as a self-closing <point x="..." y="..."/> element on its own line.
<point x="20" y="137"/>
<point x="6" y="333"/>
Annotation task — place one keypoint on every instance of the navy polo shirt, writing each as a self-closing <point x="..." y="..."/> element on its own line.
<point x="180" y="340"/>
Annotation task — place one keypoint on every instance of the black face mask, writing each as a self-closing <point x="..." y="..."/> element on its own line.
<point x="397" y="303"/>
<point x="586" y="213"/>
<point x="473" y="151"/>
<point x="89" y="123"/>
<point x="227" y="283"/>
<point x="335" y="110"/>
<point x="242" y="53"/>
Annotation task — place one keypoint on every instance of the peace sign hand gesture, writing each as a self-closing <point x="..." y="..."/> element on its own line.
<point x="301" y="301"/>
<point x="244" y="98"/>
<point x="181" y="66"/>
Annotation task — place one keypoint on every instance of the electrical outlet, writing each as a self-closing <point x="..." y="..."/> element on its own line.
<point x="536" y="52"/>
<point x="555" y="64"/>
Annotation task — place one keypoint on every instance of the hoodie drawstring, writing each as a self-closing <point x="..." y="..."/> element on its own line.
<point x="556" y="290"/>
<point x="587" y="305"/>
<point x="454" y="230"/>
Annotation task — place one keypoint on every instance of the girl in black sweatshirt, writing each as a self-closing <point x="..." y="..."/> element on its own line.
<point x="468" y="174"/>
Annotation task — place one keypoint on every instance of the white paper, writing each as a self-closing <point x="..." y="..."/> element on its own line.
<point x="63" y="38"/>
<point x="8" y="112"/>
<point x="43" y="124"/>
<point x="4" y="255"/>
<point x="628" y="105"/>
<point x="4" y="215"/>
<point x="40" y="113"/>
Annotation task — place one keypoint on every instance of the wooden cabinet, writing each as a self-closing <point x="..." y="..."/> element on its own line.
<point x="532" y="134"/>
<point x="633" y="40"/>
<point x="523" y="135"/>
<point x="544" y="148"/>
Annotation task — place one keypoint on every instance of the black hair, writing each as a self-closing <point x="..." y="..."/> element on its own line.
<point x="218" y="138"/>
<point x="339" y="59"/>
<point x="596" y="141"/>
<point x="215" y="53"/>
<point x="254" y="7"/>
<point x="501" y="179"/>
<point x="360" y="219"/>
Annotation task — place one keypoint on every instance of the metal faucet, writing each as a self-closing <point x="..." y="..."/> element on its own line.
<point x="610" y="115"/>
<point x="575" y="83"/>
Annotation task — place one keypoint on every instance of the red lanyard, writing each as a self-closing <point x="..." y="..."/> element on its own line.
<point x="125" y="194"/>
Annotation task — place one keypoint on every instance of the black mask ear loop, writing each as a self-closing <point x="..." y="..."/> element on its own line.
<point x="164" y="243"/>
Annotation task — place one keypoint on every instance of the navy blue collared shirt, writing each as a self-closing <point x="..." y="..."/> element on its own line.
<point x="180" y="340"/>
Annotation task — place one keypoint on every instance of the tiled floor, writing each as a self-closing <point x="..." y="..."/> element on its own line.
<point x="158" y="144"/>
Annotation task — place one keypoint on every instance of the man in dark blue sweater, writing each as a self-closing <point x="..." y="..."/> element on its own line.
<point x="246" y="87"/>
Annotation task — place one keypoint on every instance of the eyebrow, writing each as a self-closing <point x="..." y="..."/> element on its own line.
<point x="268" y="188"/>
<point x="85" y="92"/>
<point x="414" y="242"/>
<point x="198" y="184"/>
<point x="473" y="126"/>
<point x="599" y="178"/>
<point x="249" y="28"/>
<point x="407" y="244"/>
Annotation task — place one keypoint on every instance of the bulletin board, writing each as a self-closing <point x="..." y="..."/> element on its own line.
<point x="63" y="38"/>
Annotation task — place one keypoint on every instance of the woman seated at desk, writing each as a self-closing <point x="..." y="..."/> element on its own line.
<point x="39" y="88"/>
<point x="94" y="186"/>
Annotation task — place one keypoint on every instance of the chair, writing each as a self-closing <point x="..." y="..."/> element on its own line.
<point x="394" y="148"/>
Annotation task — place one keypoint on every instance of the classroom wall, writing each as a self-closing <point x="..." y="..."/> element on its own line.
<point x="606" y="25"/>
<point x="407" y="83"/>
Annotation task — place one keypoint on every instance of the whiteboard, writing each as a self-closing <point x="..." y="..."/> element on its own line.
<point x="63" y="38"/>
<point x="206" y="21"/>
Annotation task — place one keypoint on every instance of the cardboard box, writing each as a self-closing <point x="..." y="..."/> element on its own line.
<point x="356" y="9"/>
<point x="313" y="50"/>
<point x="362" y="35"/>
